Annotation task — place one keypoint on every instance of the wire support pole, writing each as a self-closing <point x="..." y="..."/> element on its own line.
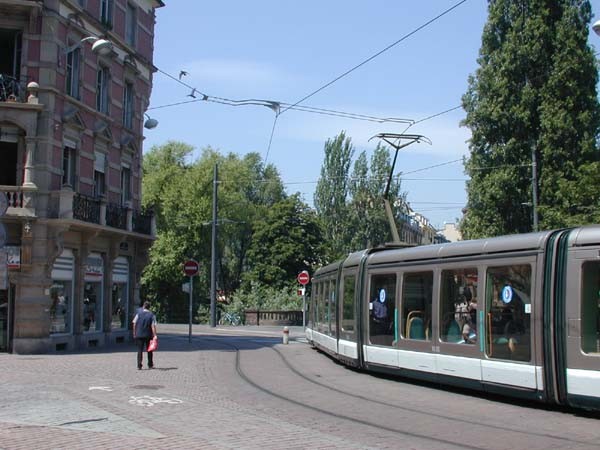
<point x="213" y="253"/>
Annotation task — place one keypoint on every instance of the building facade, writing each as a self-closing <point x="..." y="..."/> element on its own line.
<point x="75" y="80"/>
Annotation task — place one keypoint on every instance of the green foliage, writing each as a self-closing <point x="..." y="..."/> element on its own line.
<point x="331" y="194"/>
<point x="181" y="193"/>
<point x="534" y="91"/>
<point x="266" y="298"/>
<point x="351" y="209"/>
<point x="368" y="222"/>
<point x="285" y="241"/>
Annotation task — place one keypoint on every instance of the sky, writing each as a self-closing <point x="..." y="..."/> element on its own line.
<point x="283" y="51"/>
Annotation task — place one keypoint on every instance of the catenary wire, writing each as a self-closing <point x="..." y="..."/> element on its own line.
<point x="372" y="57"/>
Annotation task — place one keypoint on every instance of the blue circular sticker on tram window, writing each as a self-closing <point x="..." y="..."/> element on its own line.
<point x="507" y="294"/>
<point x="382" y="295"/>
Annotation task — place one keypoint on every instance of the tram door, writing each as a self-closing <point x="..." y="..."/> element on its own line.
<point x="508" y="320"/>
<point x="6" y="312"/>
<point x="582" y="328"/>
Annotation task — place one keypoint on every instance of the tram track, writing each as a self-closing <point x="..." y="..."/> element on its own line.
<point x="472" y="422"/>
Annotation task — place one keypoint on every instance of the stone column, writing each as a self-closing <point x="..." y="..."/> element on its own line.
<point x="32" y="301"/>
<point x="30" y="144"/>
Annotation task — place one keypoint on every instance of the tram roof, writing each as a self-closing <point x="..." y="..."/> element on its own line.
<point x="501" y="244"/>
<point x="583" y="236"/>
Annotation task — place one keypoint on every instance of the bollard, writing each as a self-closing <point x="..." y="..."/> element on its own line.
<point x="286" y="335"/>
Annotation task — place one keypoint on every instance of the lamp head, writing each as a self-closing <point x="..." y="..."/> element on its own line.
<point x="102" y="47"/>
<point x="596" y="27"/>
<point x="150" y="123"/>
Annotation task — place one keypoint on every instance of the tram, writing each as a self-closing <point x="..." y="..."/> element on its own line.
<point x="514" y="315"/>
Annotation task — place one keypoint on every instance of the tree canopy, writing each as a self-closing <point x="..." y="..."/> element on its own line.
<point x="533" y="98"/>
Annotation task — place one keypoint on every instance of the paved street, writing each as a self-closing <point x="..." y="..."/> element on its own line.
<point x="242" y="388"/>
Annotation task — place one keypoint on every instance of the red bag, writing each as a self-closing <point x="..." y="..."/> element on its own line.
<point x="153" y="344"/>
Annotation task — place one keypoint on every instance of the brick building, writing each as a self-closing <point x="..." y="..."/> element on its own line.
<point x="75" y="80"/>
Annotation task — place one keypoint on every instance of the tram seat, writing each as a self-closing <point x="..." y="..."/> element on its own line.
<point x="454" y="334"/>
<point x="416" y="330"/>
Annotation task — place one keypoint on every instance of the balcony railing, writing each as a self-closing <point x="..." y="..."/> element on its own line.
<point x="142" y="222"/>
<point x="66" y="204"/>
<point x="21" y="198"/>
<point x="86" y="208"/>
<point x="11" y="89"/>
<point x="116" y="216"/>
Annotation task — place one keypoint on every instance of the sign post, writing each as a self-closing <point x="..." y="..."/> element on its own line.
<point x="190" y="268"/>
<point x="303" y="279"/>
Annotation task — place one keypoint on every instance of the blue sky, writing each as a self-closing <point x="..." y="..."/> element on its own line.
<point x="283" y="51"/>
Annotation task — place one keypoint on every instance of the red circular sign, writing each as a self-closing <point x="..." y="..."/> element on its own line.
<point x="190" y="268"/>
<point x="303" y="278"/>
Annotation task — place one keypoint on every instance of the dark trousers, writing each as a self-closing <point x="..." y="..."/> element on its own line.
<point x="142" y="345"/>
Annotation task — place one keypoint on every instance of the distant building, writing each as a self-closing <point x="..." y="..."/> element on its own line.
<point x="75" y="81"/>
<point x="451" y="232"/>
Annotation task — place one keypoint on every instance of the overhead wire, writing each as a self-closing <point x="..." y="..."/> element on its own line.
<point x="372" y="57"/>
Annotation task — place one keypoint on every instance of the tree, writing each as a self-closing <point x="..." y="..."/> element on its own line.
<point x="331" y="194"/>
<point x="181" y="194"/>
<point x="368" y="223"/>
<point x="286" y="241"/>
<point x="533" y="97"/>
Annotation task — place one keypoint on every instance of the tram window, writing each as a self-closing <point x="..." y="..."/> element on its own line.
<point x="332" y="308"/>
<point x="325" y="307"/>
<point x="458" y="306"/>
<point x="382" y="306"/>
<point x="508" y="307"/>
<point x="590" y="308"/>
<point x="416" y="305"/>
<point x="348" y="304"/>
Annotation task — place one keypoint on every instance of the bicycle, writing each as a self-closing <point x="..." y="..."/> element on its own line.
<point x="230" y="319"/>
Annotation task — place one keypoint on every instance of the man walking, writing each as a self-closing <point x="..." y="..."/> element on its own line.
<point x="144" y="329"/>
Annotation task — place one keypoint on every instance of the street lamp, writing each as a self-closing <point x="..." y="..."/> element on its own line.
<point x="150" y="123"/>
<point x="99" y="46"/>
<point x="596" y="27"/>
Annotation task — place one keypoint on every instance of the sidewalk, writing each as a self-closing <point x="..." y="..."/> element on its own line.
<point x="98" y="399"/>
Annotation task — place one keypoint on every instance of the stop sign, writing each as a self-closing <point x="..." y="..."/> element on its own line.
<point x="303" y="278"/>
<point x="190" y="267"/>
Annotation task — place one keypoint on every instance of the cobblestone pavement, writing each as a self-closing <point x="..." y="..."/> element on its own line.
<point x="241" y="388"/>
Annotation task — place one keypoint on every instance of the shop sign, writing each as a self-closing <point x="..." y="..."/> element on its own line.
<point x="94" y="268"/>
<point x="13" y="256"/>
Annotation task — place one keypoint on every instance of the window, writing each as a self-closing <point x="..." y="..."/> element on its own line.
<point x="333" y="308"/>
<point x="120" y="294"/>
<point x="416" y="305"/>
<point x="102" y="83"/>
<point x="99" y="179"/>
<point x="590" y="308"/>
<point x="348" y="305"/>
<point x="128" y="97"/>
<point x="458" y="306"/>
<point x="106" y="11"/>
<point x="508" y="304"/>
<point x="125" y="185"/>
<point x="130" y="24"/>
<point x="324" y="307"/>
<point x="92" y="294"/>
<point x="61" y="293"/>
<point x="382" y="309"/>
<point x="73" y="73"/>
<point x="68" y="176"/>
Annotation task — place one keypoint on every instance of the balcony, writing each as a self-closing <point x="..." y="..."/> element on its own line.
<point x="66" y="204"/>
<point x="12" y="89"/>
<point x="20" y="200"/>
